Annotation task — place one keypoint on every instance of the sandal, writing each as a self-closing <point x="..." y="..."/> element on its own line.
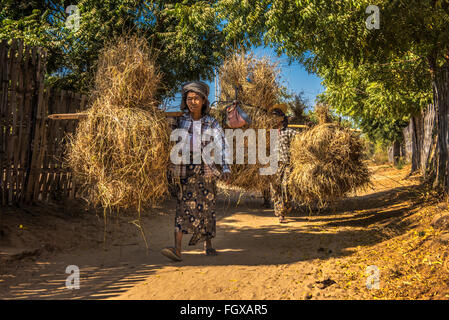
<point x="171" y="253"/>
<point x="211" y="252"/>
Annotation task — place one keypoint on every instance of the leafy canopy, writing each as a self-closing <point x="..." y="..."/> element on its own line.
<point x="185" y="35"/>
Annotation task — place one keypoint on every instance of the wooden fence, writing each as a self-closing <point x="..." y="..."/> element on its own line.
<point x="31" y="145"/>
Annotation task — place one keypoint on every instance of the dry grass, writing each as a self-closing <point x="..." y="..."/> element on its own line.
<point x="127" y="76"/>
<point x="323" y="113"/>
<point x="120" y="152"/>
<point x="258" y="79"/>
<point x="260" y="89"/>
<point x="327" y="164"/>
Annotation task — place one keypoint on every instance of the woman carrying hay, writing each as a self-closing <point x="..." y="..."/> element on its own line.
<point x="279" y="192"/>
<point x="196" y="190"/>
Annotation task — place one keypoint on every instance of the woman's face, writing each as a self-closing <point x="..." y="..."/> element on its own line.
<point x="279" y="120"/>
<point x="280" y="123"/>
<point x="194" y="102"/>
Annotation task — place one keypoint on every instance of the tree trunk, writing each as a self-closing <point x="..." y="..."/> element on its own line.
<point x="416" y="139"/>
<point x="429" y="141"/>
<point x="396" y="152"/>
<point x="440" y="79"/>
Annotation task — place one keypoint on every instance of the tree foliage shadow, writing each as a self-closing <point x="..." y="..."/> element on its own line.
<point x="328" y="235"/>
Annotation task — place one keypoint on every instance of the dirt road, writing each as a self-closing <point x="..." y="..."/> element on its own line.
<point x="258" y="257"/>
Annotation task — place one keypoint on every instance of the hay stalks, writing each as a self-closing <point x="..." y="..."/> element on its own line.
<point x="258" y="80"/>
<point x="120" y="151"/>
<point x="120" y="156"/>
<point x="323" y="113"/>
<point x="327" y="164"/>
<point x="127" y="76"/>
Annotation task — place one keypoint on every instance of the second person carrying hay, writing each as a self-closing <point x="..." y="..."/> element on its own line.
<point x="196" y="189"/>
<point x="279" y="191"/>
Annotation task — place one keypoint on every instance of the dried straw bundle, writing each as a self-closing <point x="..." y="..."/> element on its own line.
<point x="120" y="152"/>
<point x="326" y="164"/>
<point x="257" y="78"/>
<point x="323" y="113"/>
<point x="127" y="75"/>
<point x="259" y="89"/>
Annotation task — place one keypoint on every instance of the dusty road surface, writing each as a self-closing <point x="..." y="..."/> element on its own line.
<point x="306" y="258"/>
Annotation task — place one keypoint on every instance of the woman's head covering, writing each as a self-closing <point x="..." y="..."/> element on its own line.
<point x="280" y="106"/>
<point x="280" y="110"/>
<point x="198" y="87"/>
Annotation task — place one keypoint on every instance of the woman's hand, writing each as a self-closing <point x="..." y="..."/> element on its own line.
<point x="226" y="177"/>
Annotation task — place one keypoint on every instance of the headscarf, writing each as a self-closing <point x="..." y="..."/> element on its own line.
<point x="198" y="87"/>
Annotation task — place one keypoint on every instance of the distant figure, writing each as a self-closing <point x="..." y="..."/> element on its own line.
<point x="279" y="192"/>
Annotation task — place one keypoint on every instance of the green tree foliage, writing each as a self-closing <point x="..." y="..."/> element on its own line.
<point x="25" y="20"/>
<point x="326" y="34"/>
<point x="298" y="109"/>
<point x="379" y="97"/>
<point x="243" y="22"/>
<point x="185" y="35"/>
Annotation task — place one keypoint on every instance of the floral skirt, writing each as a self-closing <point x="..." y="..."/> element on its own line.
<point x="195" y="209"/>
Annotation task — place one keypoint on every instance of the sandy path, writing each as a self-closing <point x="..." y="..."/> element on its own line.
<point x="258" y="257"/>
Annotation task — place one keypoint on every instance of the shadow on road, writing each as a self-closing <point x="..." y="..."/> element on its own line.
<point x="247" y="235"/>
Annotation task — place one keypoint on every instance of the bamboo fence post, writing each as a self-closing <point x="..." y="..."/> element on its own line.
<point x="3" y="123"/>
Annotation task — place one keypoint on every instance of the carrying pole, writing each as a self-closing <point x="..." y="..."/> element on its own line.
<point x="78" y="116"/>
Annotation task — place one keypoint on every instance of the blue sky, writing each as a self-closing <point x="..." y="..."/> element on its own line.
<point x="293" y="76"/>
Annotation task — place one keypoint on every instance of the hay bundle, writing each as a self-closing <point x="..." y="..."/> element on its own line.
<point x="259" y="89"/>
<point x="327" y="164"/>
<point x="127" y="75"/>
<point x="323" y="113"/>
<point x="257" y="78"/>
<point x="120" y="151"/>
